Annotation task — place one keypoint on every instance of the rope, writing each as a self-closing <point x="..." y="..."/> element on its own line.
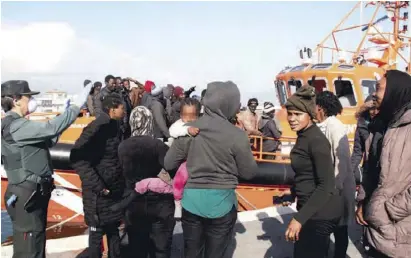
<point x="51" y="227"/>
<point x="63" y="222"/>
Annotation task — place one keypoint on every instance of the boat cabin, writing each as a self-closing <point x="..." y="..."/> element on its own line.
<point x="351" y="83"/>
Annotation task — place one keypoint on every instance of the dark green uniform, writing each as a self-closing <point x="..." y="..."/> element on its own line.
<point x="26" y="158"/>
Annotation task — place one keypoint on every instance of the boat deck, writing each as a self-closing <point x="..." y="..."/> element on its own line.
<point x="259" y="233"/>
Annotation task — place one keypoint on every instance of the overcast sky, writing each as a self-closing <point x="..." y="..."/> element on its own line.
<point x="56" y="45"/>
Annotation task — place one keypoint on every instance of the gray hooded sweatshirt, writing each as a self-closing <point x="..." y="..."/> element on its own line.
<point x="221" y="152"/>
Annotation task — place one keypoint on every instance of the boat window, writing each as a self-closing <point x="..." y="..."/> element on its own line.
<point x="345" y="93"/>
<point x="321" y="66"/>
<point x="319" y="85"/>
<point x="298" y="68"/>
<point x="368" y="87"/>
<point x="281" y="91"/>
<point x="294" y="85"/>
<point x="346" y="67"/>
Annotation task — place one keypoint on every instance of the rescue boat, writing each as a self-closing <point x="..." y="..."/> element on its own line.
<point x="356" y="77"/>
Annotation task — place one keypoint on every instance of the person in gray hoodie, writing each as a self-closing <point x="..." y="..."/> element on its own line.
<point x="154" y="101"/>
<point x="216" y="158"/>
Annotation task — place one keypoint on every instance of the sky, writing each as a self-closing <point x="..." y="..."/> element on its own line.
<point x="57" y="45"/>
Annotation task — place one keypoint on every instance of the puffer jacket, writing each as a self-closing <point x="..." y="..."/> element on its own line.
<point x="94" y="157"/>
<point x="388" y="213"/>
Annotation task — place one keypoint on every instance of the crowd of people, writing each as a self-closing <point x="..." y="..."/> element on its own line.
<point x="156" y="154"/>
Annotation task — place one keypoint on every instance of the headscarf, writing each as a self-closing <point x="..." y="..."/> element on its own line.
<point x="397" y="95"/>
<point x="303" y="100"/>
<point x="141" y="122"/>
<point x="148" y="85"/>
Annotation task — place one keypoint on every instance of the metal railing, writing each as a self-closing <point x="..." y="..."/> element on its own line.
<point x="279" y="156"/>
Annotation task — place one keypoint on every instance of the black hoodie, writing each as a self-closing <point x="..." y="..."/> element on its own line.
<point x="221" y="152"/>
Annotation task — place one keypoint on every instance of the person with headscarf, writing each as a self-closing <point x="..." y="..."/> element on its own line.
<point x="385" y="210"/>
<point x="269" y="129"/>
<point x="328" y="107"/>
<point x="216" y="158"/>
<point x="150" y="216"/>
<point x="155" y="102"/>
<point x="319" y="203"/>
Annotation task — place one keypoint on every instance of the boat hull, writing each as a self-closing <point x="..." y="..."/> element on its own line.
<point x="66" y="205"/>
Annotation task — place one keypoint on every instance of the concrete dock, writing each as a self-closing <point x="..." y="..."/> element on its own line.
<point x="258" y="234"/>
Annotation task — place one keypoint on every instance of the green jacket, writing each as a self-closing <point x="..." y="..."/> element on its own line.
<point x="25" y="144"/>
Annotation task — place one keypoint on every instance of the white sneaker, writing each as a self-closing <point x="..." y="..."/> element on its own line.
<point x="178" y="210"/>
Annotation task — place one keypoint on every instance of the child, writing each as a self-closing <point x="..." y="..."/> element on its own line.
<point x="190" y="111"/>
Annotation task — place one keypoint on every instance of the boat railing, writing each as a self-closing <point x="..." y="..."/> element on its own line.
<point x="282" y="154"/>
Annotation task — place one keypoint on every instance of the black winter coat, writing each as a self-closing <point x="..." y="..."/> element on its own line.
<point x="95" y="158"/>
<point x="361" y="135"/>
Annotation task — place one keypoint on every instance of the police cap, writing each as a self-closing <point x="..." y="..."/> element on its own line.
<point x="16" y="87"/>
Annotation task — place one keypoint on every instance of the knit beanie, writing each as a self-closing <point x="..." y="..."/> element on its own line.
<point x="178" y="91"/>
<point x="268" y="107"/>
<point x="303" y="100"/>
<point x="148" y="86"/>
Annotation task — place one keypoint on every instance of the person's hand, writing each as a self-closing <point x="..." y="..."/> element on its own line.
<point x="192" y="88"/>
<point x="369" y="104"/>
<point x="286" y="203"/>
<point x="193" y="131"/>
<point x="359" y="215"/>
<point x="67" y="103"/>
<point x="105" y="192"/>
<point x="82" y="97"/>
<point x="293" y="230"/>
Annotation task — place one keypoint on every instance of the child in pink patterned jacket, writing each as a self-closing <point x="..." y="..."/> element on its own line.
<point x="190" y="109"/>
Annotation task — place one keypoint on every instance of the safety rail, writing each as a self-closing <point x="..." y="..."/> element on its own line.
<point x="282" y="155"/>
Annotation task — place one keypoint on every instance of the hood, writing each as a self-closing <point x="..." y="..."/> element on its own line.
<point x="222" y="99"/>
<point x="168" y="91"/>
<point x="146" y="100"/>
<point x="402" y="117"/>
<point x="397" y="95"/>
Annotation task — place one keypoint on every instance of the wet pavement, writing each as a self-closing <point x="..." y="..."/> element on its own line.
<point x="262" y="237"/>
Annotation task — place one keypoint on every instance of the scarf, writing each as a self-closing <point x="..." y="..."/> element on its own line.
<point x="141" y="122"/>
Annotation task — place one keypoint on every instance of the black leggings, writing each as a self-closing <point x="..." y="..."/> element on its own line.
<point x="314" y="239"/>
<point x="150" y="224"/>
<point x="341" y="241"/>
<point x="113" y="240"/>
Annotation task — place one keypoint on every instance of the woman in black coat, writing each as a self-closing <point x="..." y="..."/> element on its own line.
<point x="94" y="157"/>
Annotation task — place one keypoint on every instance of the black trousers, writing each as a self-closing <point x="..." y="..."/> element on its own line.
<point x="208" y="238"/>
<point x="150" y="224"/>
<point x="341" y="241"/>
<point x="29" y="228"/>
<point x="95" y="241"/>
<point x="314" y="239"/>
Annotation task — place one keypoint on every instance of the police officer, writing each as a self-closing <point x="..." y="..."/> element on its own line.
<point x="25" y="155"/>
